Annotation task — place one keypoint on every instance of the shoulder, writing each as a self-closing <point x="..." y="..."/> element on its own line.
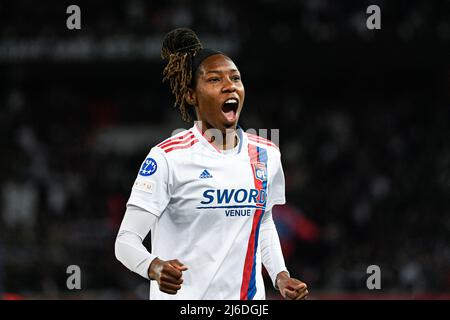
<point x="183" y="140"/>
<point x="166" y="152"/>
<point x="267" y="144"/>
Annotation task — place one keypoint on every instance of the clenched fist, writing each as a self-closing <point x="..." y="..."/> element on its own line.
<point x="168" y="274"/>
<point x="291" y="288"/>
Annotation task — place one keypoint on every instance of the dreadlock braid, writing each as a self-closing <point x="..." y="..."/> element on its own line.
<point x="179" y="46"/>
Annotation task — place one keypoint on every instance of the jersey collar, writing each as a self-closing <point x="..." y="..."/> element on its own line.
<point x="211" y="146"/>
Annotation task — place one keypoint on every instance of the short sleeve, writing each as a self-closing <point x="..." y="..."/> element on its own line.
<point x="151" y="189"/>
<point x="276" y="185"/>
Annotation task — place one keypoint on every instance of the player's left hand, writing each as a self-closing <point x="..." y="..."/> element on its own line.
<point x="291" y="288"/>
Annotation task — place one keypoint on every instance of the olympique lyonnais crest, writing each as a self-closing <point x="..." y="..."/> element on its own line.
<point x="260" y="171"/>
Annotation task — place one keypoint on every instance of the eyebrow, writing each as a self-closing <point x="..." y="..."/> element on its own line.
<point x="221" y="71"/>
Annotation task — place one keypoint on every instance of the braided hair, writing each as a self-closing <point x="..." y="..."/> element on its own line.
<point x="179" y="47"/>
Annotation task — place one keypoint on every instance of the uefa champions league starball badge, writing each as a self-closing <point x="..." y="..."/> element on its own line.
<point x="148" y="167"/>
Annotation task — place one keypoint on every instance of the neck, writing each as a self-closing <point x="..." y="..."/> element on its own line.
<point x="223" y="140"/>
<point x="229" y="139"/>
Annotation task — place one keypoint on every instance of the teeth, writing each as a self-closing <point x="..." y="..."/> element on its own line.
<point x="232" y="100"/>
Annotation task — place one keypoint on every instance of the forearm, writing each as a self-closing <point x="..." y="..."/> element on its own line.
<point x="129" y="249"/>
<point x="271" y="253"/>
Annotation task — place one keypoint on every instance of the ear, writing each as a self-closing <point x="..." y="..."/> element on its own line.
<point x="191" y="97"/>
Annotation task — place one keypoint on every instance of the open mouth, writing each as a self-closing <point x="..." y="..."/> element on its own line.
<point x="229" y="109"/>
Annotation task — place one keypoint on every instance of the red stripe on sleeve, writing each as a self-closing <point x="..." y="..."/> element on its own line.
<point x="175" y="139"/>
<point x="181" y="146"/>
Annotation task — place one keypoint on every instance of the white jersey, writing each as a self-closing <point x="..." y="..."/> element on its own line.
<point x="209" y="205"/>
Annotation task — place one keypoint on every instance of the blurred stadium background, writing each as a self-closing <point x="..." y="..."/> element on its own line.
<point x="364" y="119"/>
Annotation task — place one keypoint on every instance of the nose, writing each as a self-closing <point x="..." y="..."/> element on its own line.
<point x="229" y="86"/>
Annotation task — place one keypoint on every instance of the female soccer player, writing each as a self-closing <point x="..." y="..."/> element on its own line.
<point x="206" y="193"/>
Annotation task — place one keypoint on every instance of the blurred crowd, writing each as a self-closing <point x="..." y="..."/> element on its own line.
<point x="319" y="20"/>
<point x="363" y="119"/>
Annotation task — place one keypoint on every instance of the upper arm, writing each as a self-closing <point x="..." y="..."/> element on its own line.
<point x="137" y="221"/>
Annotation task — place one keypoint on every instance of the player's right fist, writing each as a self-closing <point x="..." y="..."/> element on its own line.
<point x="168" y="274"/>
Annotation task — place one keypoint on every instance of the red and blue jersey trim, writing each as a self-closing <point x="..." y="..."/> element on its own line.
<point x="257" y="156"/>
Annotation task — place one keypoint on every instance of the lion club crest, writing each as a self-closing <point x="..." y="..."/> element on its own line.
<point x="260" y="171"/>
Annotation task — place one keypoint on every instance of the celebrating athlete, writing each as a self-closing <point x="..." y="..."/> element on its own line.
<point x="206" y="194"/>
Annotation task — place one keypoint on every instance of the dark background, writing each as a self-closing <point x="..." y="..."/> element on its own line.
<point x="364" y="135"/>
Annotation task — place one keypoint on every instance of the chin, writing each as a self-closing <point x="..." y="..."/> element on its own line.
<point x="230" y="125"/>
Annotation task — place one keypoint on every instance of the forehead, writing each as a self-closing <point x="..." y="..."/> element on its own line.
<point x="217" y="62"/>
